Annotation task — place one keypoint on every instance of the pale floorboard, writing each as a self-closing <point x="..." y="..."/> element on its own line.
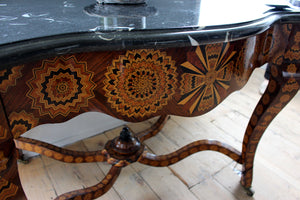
<point x="205" y="175"/>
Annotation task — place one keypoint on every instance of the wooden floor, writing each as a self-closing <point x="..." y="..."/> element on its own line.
<point x="205" y="175"/>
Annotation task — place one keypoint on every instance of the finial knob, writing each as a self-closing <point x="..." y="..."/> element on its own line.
<point x="125" y="135"/>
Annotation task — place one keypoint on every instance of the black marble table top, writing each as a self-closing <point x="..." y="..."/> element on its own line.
<point x="73" y="25"/>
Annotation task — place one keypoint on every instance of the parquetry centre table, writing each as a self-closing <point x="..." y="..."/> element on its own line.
<point x="60" y="58"/>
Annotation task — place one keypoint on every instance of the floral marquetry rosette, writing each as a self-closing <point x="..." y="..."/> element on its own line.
<point x="206" y="75"/>
<point x="141" y="82"/>
<point x="61" y="86"/>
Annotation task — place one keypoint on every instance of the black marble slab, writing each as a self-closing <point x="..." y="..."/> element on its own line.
<point x="32" y="29"/>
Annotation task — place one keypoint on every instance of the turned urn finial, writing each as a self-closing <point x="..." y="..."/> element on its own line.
<point x="125" y="146"/>
<point x="125" y="135"/>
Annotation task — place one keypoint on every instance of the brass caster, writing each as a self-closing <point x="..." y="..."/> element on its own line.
<point x="249" y="191"/>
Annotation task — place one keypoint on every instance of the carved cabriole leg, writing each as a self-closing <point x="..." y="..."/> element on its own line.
<point x="10" y="185"/>
<point x="283" y="86"/>
<point x="271" y="103"/>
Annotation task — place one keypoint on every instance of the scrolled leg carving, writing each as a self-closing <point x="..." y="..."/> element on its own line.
<point x="278" y="94"/>
<point x="283" y="86"/>
<point x="201" y="145"/>
<point x="59" y="153"/>
<point x="95" y="191"/>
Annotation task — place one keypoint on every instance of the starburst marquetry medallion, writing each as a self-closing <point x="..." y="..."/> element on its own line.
<point x="207" y="74"/>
